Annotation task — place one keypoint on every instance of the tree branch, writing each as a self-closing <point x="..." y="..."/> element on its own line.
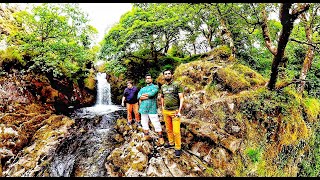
<point x="316" y="48"/>
<point x="294" y="81"/>
<point x="265" y="32"/>
<point x="301" y="42"/>
<point x="299" y="10"/>
<point x="245" y="19"/>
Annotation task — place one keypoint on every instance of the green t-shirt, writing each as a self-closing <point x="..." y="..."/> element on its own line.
<point x="170" y="95"/>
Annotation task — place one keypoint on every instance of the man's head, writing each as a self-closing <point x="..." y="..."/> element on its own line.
<point x="129" y="84"/>
<point x="148" y="78"/>
<point x="168" y="75"/>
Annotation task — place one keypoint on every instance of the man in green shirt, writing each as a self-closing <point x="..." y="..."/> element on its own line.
<point x="171" y="101"/>
<point x="148" y="109"/>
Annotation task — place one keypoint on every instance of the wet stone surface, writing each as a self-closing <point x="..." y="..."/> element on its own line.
<point x="83" y="154"/>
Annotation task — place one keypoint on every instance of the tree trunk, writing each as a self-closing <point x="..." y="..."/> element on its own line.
<point x="287" y="20"/>
<point x="284" y="38"/>
<point x="209" y="37"/>
<point x="305" y="68"/>
<point x="309" y="56"/>
<point x="265" y="32"/>
<point x="166" y="48"/>
<point x="194" y="48"/>
<point x="227" y="32"/>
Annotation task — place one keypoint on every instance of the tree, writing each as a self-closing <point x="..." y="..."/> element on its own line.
<point x="287" y="19"/>
<point x="141" y="36"/>
<point x="56" y="39"/>
<point x="310" y="20"/>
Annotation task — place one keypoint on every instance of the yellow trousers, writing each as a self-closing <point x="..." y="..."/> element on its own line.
<point x="173" y="128"/>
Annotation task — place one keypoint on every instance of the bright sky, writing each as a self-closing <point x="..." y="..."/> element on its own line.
<point x="104" y="15"/>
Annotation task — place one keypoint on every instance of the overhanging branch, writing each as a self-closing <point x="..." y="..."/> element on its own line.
<point x="309" y="44"/>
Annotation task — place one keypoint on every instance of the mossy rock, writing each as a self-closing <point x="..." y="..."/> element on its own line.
<point x="312" y="108"/>
<point x="221" y="52"/>
<point x="237" y="77"/>
<point x="90" y="81"/>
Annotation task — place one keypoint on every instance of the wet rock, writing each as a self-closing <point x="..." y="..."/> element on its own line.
<point x="217" y="135"/>
<point x="235" y="129"/>
<point x="217" y="157"/>
<point x="231" y="107"/>
<point x="30" y="160"/>
<point x="157" y="168"/>
<point x="118" y="138"/>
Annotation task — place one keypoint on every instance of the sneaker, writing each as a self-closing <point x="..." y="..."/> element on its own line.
<point x="129" y="123"/>
<point x="167" y="145"/>
<point x="161" y="141"/>
<point x="177" y="153"/>
<point x="146" y="138"/>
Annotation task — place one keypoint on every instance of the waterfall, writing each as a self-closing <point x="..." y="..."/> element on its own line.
<point x="103" y="90"/>
<point x="103" y="103"/>
<point x="84" y="152"/>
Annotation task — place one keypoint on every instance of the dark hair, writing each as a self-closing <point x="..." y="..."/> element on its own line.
<point x="147" y="75"/>
<point x="167" y="70"/>
<point x="129" y="81"/>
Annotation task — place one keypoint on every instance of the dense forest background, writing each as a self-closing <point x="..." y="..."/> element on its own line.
<point x="279" y="41"/>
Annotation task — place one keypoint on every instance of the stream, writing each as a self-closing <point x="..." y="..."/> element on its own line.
<point x="83" y="154"/>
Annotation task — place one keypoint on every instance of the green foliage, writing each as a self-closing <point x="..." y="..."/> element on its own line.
<point x="269" y="102"/>
<point x="310" y="165"/>
<point x="253" y="154"/>
<point x="113" y="67"/>
<point x="11" y="57"/>
<point x="313" y="79"/>
<point x="175" y="51"/>
<point x="56" y="39"/>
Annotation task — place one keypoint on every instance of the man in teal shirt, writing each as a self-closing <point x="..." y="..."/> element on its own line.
<point x="148" y="109"/>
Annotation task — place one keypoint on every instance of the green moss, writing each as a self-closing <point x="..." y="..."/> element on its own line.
<point x="221" y="52"/>
<point x="253" y="154"/>
<point x="252" y="76"/>
<point x="209" y="171"/>
<point x="310" y="165"/>
<point x="90" y="81"/>
<point x="261" y="168"/>
<point x="312" y="108"/>
<point x="232" y="80"/>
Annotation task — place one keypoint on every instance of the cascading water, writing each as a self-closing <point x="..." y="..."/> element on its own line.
<point x="103" y="103"/>
<point x="103" y="90"/>
<point x="84" y="152"/>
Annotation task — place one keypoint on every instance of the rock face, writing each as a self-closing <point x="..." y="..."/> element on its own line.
<point x="231" y="126"/>
<point x="57" y="95"/>
<point x="146" y="158"/>
<point x="28" y="104"/>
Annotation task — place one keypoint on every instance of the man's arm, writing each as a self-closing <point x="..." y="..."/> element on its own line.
<point x="162" y="102"/>
<point x="123" y="98"/>
<point x="161" y="98"/>
<point x="139" y="93"/>
<point x="153" y="92"/>
<point x="141" y="96"/>
<point x="181" y="103"/>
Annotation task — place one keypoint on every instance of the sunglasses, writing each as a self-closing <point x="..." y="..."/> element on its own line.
<point x="167" y="73"/>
